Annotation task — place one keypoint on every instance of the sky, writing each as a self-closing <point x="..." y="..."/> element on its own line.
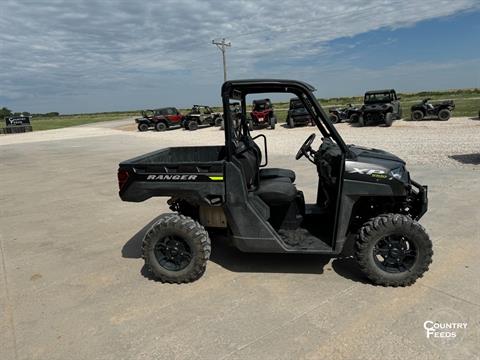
<point x="114" y="55"/>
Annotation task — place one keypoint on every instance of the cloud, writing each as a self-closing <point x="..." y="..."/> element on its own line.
<point x="59" y="48"/>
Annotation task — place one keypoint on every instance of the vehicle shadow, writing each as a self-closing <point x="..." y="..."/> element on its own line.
<point x="356" y="125"/>
<point x="347" y="268"/>
<point x="232" y="259"/>
<point x="286" y="126"/>
<point x="468" y="159"/>
<point x="171" y="128"/>
<point x="133" y="247"/>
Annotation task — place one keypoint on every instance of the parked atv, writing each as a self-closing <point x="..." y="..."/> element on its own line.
<point x="380" y="107"/>
<point x="365" y="195"/>
<point x="202" y="115"/>
<point x="297" y="114"/>
<point x="236" y="112"/>
<point x="159" y="119"/>
<point x="262" y="114"/>
<point x="441" y="110"/>
<point x="349" y="113"/>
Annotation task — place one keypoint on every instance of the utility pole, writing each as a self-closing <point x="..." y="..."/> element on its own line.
<point x="222" y="45"/>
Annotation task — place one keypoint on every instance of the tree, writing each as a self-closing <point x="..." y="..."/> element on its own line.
<point x="4" y="112"/>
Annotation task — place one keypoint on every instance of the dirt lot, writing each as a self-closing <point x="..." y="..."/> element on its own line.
<point x="72" y="284"/>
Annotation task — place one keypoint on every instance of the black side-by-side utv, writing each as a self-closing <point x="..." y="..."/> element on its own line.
<point x="380" y="107"/>
<point x="364" y="195"/>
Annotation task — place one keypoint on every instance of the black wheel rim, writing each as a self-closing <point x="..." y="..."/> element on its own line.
<point x="395" y="254"/>
<point x="173" y="253"/>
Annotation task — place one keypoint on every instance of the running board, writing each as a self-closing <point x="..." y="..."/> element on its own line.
<point x="302" y="240"/>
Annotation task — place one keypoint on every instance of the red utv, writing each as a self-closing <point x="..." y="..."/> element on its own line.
<point x="262" y="114"/>
<point x="159" y="119"/>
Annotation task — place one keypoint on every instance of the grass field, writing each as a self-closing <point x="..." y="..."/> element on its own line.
<point x="78" y="119"/>
<point x="467" y="103"/>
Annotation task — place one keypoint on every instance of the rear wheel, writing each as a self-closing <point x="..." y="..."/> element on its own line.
<point x="176" y="249"/>
<point x="388" y="119"/>
<point x="142" y="127"/>
<point x="444" y="114"/>
<point x="417" y="115"/>
<point x="160" y="126"/>
<point x="393" y="250"/>
<point x="192" y="125"/>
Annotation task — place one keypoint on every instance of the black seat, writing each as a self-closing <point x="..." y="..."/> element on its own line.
<point x="276" y="191"/>
<point x="271" y="173"/>
<point x="274" y="186"/>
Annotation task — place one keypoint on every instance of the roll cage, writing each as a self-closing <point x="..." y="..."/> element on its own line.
<point x="237" y="90"/>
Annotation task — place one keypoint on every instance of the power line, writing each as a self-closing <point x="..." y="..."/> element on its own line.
<point x="222" y="46"/>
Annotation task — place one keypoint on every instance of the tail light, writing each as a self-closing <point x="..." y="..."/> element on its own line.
<point x="122" y="178"/>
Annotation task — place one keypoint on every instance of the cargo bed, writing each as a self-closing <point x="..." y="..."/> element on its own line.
<point x="194" y="173"/>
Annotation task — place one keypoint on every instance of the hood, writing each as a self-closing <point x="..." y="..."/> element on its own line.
<point x="371" y="155"/>
<point x="299" y="110"/>
<point x="377" y="106"/>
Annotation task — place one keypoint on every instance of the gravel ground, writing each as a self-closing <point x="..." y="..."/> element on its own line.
<point x="451" y="143"/>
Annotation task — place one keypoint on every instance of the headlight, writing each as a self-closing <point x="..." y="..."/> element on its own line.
<point x="400" y="174"/>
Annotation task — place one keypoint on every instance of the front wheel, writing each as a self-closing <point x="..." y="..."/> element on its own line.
<point x="273" y="121"/>
<point x="290" y="122"/>
<point x="361" y="121"/>
<point x="176" y="249"/>
<point x="192" y="125"/>
<point x="219" y="121"/>
<point x="334" y="118"/>
<point x="393" y="250"/>
<point x="444" y="114"/>
<point x="388" y="119"/>
<point x="354" y="118"/>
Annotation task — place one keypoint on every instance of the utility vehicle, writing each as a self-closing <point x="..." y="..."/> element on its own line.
<point x="236" y="112"/>
<point x="297" y="114"/>
<point x="441" y="110"/>
<point x="364" y="195"/>
<point x="202" y="115"/>
<point x="350" y="113"/>
<point x="380" y="106"/>
<point x="262" y="114"/>
<point x="159" y="119"/>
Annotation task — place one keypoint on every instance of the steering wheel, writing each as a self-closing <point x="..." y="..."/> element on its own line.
<point x="306" y="148"/>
